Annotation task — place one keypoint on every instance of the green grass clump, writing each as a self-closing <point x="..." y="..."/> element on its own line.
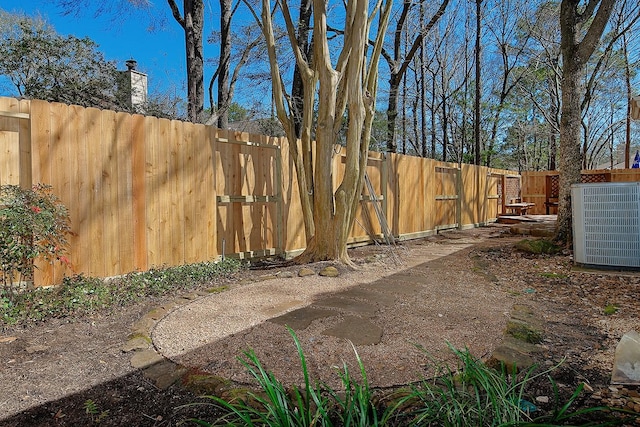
<point x="538" y="246"/>
<point x="611" y="309"/>
<point x="81" y="295"/>
<point x="314" y="404"/>
<point x="471" y="394"/>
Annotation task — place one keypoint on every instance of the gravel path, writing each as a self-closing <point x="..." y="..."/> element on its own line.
<point x="447" y="302"/>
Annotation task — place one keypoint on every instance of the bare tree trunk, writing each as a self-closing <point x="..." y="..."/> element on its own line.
<point x="627" y="77"/>
<point x="225" y="64"/>
<point x="570" y="154"/>
<point x="349" y="87"/>
<point x="553" y="143"/>
<point x="398" y="66"/>
<point x="423" y="103"/>
<point x="297" y="86"/>
<point x="192" y="22"/>
<point x="478" y="86"/>
<point x="573" y="18"/>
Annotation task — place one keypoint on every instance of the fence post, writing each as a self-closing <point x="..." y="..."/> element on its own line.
<point x="459" y="199"/>
<point x="384" y="181"/>
<point x="26" y="177"/>
<point x="279" y="224"/>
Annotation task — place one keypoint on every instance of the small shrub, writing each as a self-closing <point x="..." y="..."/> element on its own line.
<point x="33" y="223"/>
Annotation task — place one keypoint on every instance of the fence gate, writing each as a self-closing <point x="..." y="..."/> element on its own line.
<point x="494" y="195"/>
<point x="447" y="198"/>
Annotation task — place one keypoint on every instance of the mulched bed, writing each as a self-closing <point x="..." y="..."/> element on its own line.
<point x="572" y="304"/>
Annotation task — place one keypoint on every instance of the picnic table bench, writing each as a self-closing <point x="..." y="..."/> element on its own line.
<point x="519" y="208"/>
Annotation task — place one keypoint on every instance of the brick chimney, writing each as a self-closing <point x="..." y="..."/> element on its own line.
<point x="135" y="85"/>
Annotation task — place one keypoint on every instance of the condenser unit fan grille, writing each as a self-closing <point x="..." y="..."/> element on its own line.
<point x="606" y="224"/>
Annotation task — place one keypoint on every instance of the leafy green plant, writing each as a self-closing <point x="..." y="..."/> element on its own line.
<point x="472" y="394"/>
<point x="91" y="409"/>
<point x="275" y="405"/>
<point x="33" y="223"/>
<point x="355" y="404"/>
<point x="81" y="295"/>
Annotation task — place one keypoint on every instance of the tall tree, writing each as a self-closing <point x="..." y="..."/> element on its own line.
<point x="191" y="19"/>
<point x="347" y="91"/>
<point x="399" y="63"/>
<point x="43" y="64"/>
<point x="511" y="40"/>
<point x="242" y="50"/>
<point x="581" y="27"/>
<point x="477" y="114"/>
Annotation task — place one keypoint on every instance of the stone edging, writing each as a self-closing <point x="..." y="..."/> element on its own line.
<point x="162" y="372"/>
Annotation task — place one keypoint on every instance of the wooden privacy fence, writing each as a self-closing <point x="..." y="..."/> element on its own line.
<point x="144" y="192"/>
<point x="542" y="187"/>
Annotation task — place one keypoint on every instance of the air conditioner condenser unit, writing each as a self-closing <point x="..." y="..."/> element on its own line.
<point x="606" y="224"/>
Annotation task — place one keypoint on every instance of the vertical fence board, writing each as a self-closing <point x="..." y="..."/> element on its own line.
<point x="152" y="187"/>
<point x="79" y="207"/>
<point x="61" y="169"/>
<point x="138" y="195"/>
<point x="26" y="178"/>
<point x="164" y="193"/>
<point x="94" y="200"/>
<point x="41" y="122"/>
<point x="207" y="166"/>
<point x="124" y="180"/>
<point x="294" y="236"/>
<point x="190" y="198"/>
<point x="10" y="128"/>
<point x="110" y="238"/>
<point x="175" y="187"/>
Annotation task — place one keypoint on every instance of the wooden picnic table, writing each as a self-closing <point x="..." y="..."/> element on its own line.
<point x="519" y="208"/>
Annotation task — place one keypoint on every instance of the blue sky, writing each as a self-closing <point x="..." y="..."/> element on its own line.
<point x="160" y="53"/>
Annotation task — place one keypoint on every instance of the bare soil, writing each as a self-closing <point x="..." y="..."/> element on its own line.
<point x="72" y="372"/>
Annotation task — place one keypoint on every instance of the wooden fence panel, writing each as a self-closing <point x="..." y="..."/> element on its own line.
<point x="407" y="192"/>
<point x="79" y="207"/>
<point x="625" y="175"/>
<point x="10" y="130"/>
<point x="367" y="226"/>
<point x="248" y="196"/>
<point x="138" y="191"/>
<point x="152" y="187"/>
<point x="446" y="198"/>
<point x="144" y="192"/>
<point x="471" y="193"/>
<point x="534" y="184"/>
<point x="494" y="195"/>
<point x="533" y="190"/>
<point x="294" y="237"/>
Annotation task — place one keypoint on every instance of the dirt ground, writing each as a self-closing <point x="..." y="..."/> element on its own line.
<point x="73" y="371"/>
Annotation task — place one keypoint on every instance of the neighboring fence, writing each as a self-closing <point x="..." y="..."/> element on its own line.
<point x="534" y="184"/>
<point x="145" y="192"/>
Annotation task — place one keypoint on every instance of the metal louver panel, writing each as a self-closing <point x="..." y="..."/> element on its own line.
<point x="606" y="224"/>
